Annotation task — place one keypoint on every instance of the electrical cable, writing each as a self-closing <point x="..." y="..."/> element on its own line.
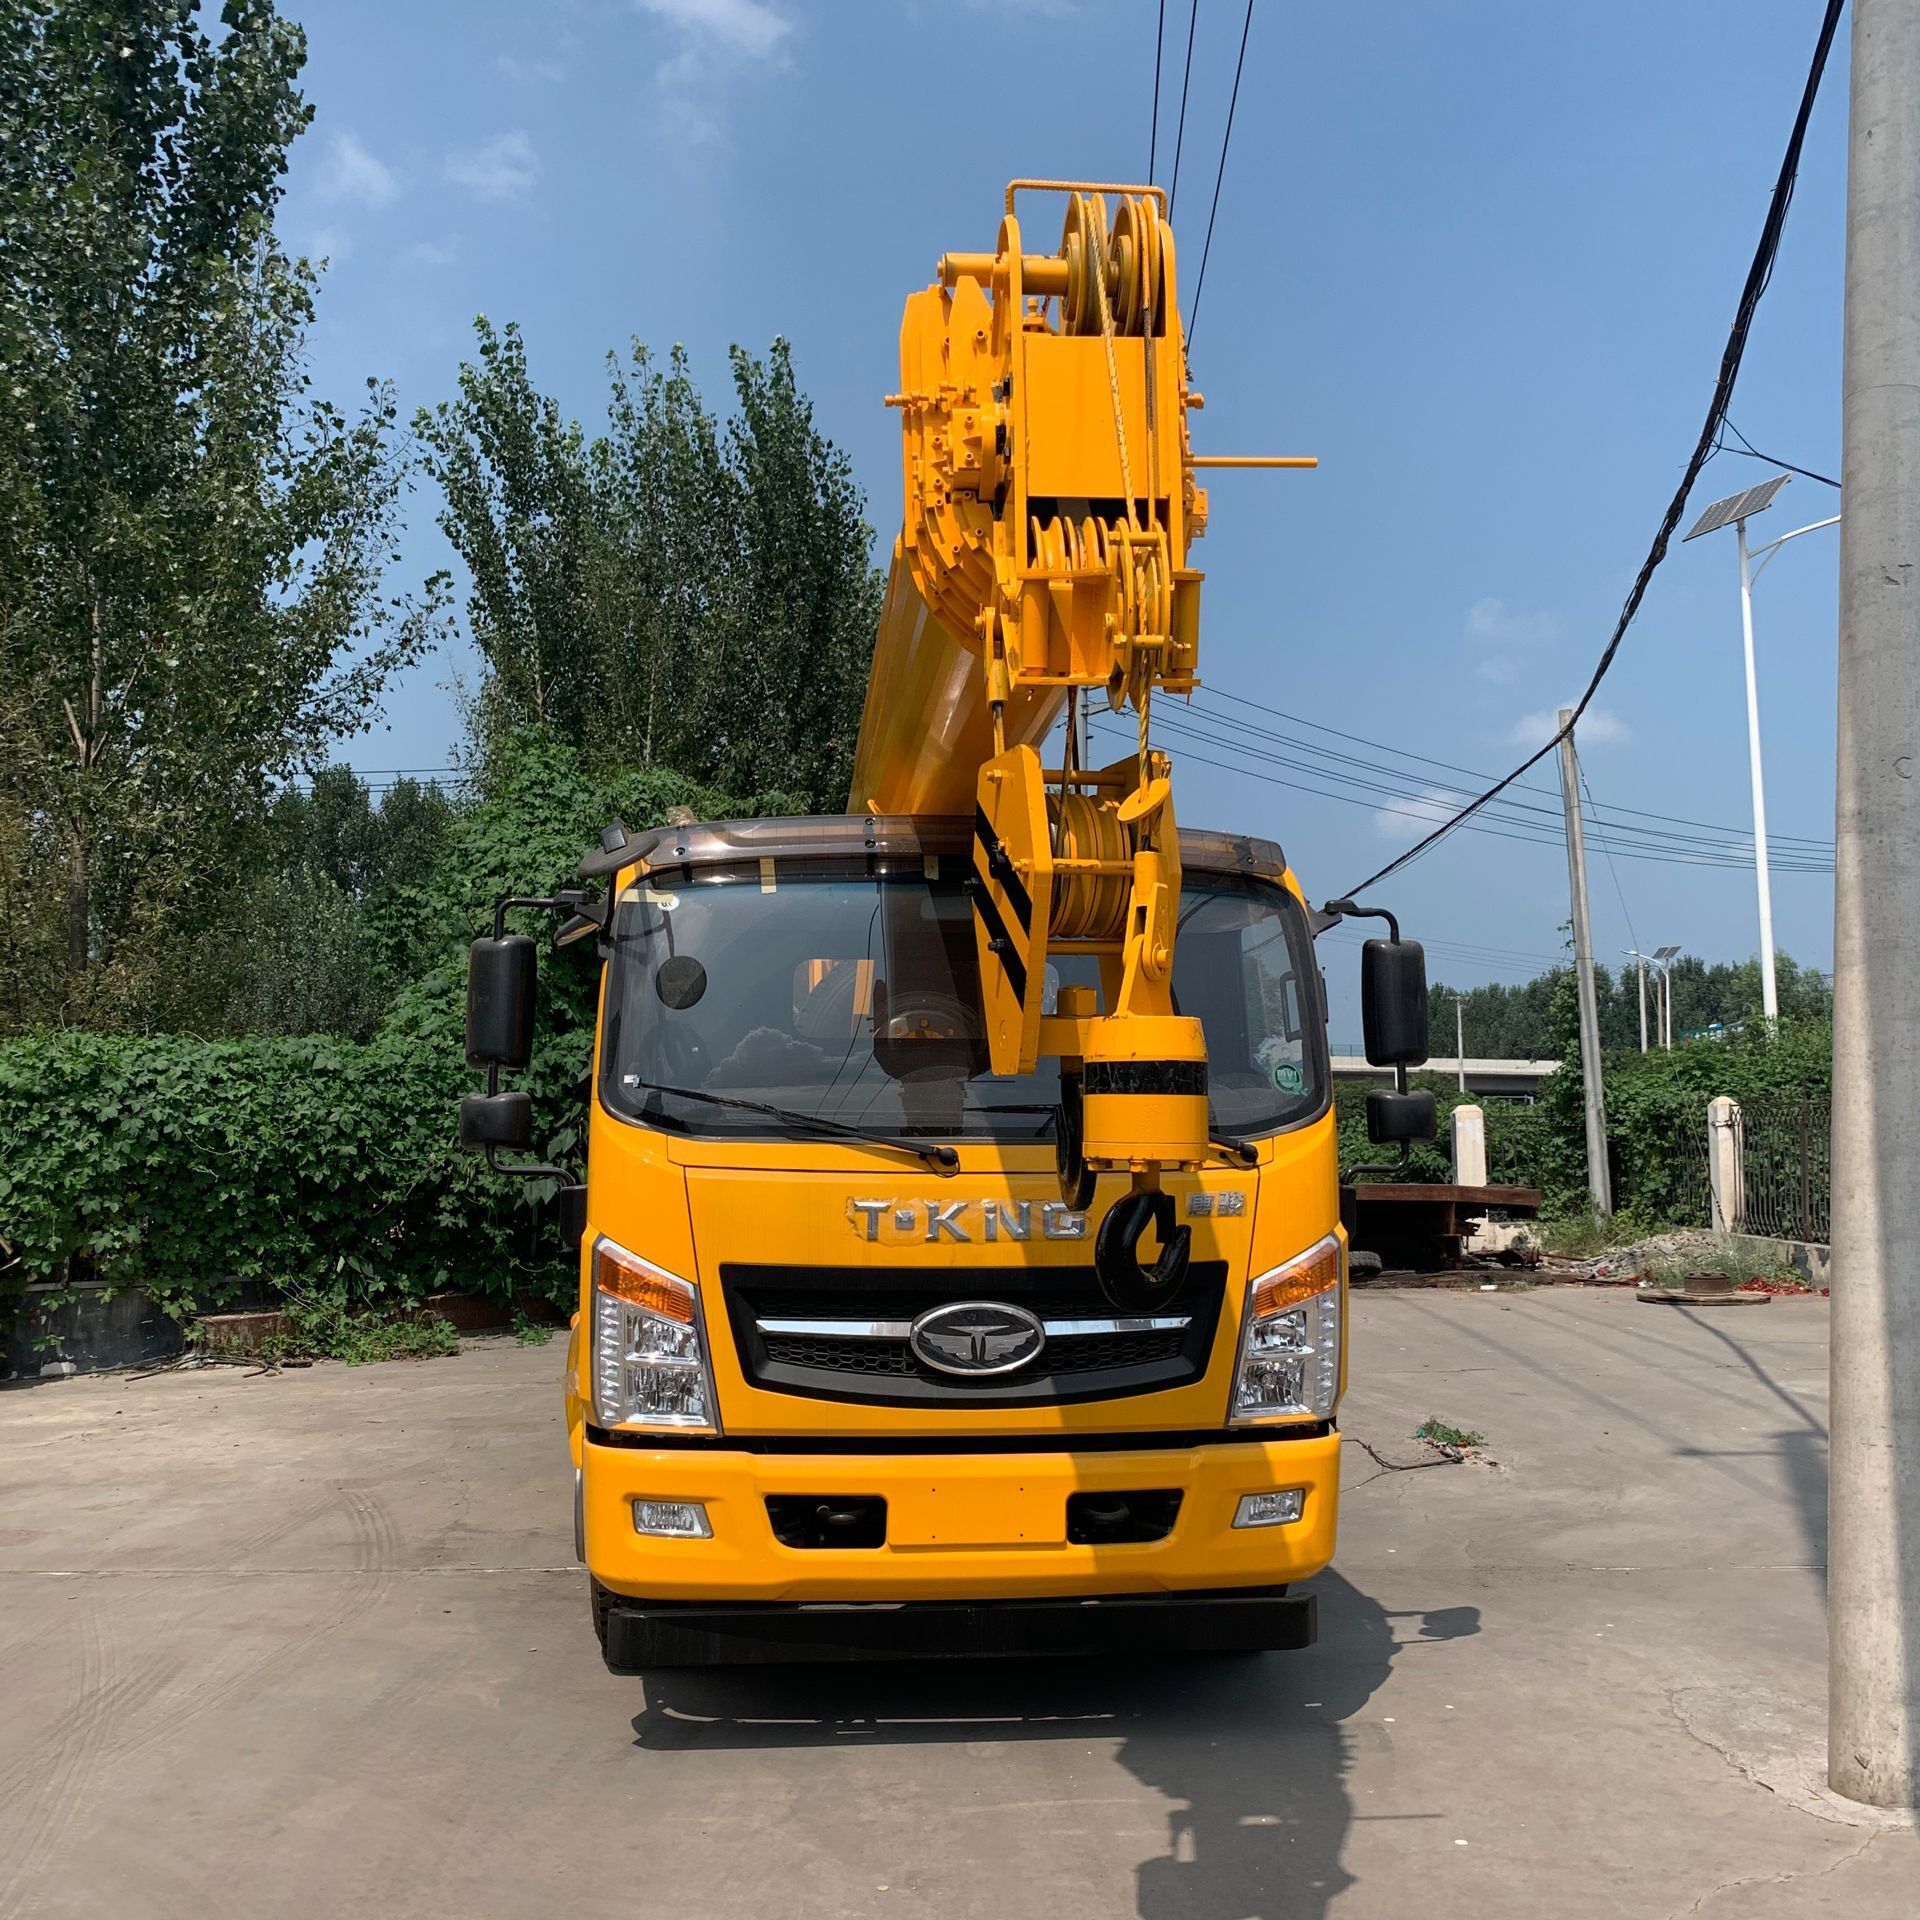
<point x="1714" y="834"/>
<point x="1758" y="275"/>
<point x="1200" y="280"/>
<point x="1180" y="132"/>
<point x="1747" y="447"/>
<point x="1236" y="699"/>
<point x="1619" y="891"/>
<point x="1153" y="134"/>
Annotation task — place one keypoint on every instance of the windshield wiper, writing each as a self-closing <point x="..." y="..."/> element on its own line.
<point x="942" y="1159"/>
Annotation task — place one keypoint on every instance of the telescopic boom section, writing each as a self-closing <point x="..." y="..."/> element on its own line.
<point x="1042" y="559"/>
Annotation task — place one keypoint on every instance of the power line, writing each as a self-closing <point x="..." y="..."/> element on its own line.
<point x="1593" y="813"/>
<point x="1200" y="281"/>
<point x="1540" y="824"/>
<point x="1499" y="826"/>
<point x="1747" y="447"/>
<point x="1713" y="834"/>
<point x="1236" y="698"/>
<point x="1759" y="272"/>
<point x="1153" y="135"/>
<point x="1180" y="132"/>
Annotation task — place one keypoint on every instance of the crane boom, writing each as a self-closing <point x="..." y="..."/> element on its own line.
<point x="1050" y="504"/>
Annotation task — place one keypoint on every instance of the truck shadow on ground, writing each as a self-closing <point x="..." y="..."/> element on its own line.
<point x="1252" y="1751"/>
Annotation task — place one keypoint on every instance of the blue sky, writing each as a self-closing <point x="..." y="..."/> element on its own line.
<point x="1480" y="258"/>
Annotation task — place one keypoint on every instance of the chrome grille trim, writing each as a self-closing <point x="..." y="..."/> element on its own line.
<point x="900" y="1329"/>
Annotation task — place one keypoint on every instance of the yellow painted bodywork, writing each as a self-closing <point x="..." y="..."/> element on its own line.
<point x="691" y="1205"/>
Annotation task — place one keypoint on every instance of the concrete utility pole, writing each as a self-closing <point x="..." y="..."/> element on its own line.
<point x="1873" y="1580"/>
<point x="1598" y="1184"/>
<point x="1642" y="959"/>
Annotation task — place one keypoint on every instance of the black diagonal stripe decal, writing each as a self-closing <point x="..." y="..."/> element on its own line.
<point x="1001" y="867"/>
<point x="989" y="911"/>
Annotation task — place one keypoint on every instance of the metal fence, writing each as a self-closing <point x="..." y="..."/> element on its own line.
<point x="1786" y="1168"/>
<point x="1659" y="1169"/>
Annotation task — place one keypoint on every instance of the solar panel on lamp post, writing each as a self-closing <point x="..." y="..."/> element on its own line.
<point x="1735" y="510"/>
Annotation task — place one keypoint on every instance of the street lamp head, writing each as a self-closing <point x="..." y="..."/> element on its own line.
<point x="1738" y="506"/>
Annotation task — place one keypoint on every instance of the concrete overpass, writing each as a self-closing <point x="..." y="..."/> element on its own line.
<point x="1497" y="1079"/>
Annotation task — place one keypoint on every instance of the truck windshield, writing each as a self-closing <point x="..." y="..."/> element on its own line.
<point x="838" y="994"/>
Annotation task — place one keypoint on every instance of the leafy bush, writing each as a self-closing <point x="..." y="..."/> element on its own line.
<point x="203" y="1169"/>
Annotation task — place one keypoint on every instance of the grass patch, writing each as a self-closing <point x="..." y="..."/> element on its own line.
<point x="320" y="1327"/>
<point x="530" y="1333"/>
<point x="1729" y="1257"/>
<point x="1575" y="1236"/>
<point x="1443" y="1435"/>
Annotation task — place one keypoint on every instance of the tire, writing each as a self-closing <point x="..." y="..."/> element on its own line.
<point x="1364" y="1266"/>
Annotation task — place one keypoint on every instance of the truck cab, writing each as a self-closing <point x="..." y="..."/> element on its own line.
<point x="844" y="1378"/>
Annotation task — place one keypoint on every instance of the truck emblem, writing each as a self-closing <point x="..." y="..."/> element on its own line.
<point x="932" y="1221"/>
<point x="976" y="1337"/>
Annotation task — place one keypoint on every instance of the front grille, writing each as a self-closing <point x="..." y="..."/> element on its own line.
<point x="885" y="1370"/>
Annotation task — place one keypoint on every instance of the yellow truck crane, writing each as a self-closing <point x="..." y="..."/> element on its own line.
<point x="961" y="1258"/>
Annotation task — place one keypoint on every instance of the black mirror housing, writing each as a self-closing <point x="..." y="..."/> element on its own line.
<point x="1393" y="1003"/>
<point x="496" y="1120"/>
<point x="500" y="979"/>
<point x="1395" y="1118"/>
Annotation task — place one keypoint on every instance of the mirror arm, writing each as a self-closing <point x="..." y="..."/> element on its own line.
<point x="1348" y="1174"/>
<point x="1347" y="910"/>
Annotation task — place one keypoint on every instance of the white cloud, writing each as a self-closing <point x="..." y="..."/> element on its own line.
<point x="502" y="168"/>
<point x="711" y="41"/>
<point x="747" y="27"/>
<point x="351" y="173"/>
<point x="325" y="246"/>
<point x="433" y="253"/>
<point x="1405" y="819"/>
<point x="1500" y="625"/>
<point x="1599" y="727"/>
<point x="1500" y="634"/>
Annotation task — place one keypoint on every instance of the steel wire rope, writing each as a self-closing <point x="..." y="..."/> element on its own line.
<point x="1159" y="44"/>
<point x="1180" y="132"/>
<point x="1200" y="279"/>
<point x="1759" y="273"/>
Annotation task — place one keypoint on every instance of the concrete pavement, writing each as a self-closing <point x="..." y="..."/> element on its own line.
<point x="315" y="1645"/>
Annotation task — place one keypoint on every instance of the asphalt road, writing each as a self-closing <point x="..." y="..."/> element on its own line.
<point x="315" y="1645"/>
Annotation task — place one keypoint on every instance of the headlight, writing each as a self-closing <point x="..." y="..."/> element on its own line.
<point x="649" y="1349"/>
<point x="1290" y="1340"/>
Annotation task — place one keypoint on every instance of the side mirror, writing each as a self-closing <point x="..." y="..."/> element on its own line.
<point x="1393" y="1008"/>
<point x="496" y="1120"/>
<point x="500" y="977"/>
<point x="1395" y="1118"/>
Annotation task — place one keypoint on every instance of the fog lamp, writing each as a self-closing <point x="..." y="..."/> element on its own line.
<point x="675" y="1519"/>
<point x="1270" y="1509"/>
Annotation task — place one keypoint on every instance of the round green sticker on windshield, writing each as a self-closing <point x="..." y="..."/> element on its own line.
<point x="1286" y="1076"/>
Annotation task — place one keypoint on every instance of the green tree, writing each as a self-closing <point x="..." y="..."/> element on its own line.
<point x="674" y="593"/>
<point x="191" y="546"/>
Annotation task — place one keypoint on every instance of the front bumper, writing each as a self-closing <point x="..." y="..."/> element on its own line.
<point x="960" y="1527"/>
<point x="643" y="1636"/>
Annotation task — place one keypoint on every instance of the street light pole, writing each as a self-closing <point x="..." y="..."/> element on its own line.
<point x="1735" y="511"/>
<point x="1769" y="990"/>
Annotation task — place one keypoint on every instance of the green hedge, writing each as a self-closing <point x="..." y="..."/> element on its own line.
<point x="203" y="1169"/>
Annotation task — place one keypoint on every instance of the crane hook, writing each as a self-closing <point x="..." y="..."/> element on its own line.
<point x="1131" y="1287"/>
